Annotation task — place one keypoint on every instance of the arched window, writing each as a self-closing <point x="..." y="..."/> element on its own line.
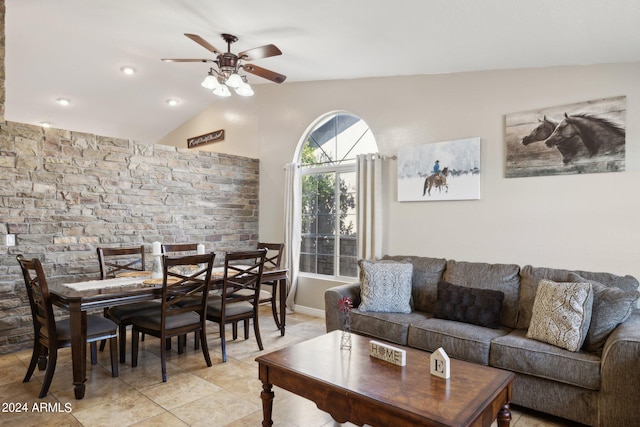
<point x="327" y="156"/>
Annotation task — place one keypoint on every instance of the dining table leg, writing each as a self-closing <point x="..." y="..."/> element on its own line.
<point x="282" y="284"/>
<point x="78" y="326"/>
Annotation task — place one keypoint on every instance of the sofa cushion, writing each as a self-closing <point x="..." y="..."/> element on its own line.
<point x="392" y="327"/>
<point x="427" y="272"/>
<point x="517" y="353"/>
<point x="459" y="340"/>
<point x="469" y="305"/>
<point x="561" y="314"/>
<point x="497" y="277"/>
<point x="385" y="286"/>
<point x="611" y="306"/>
<point x="530" y="277"/>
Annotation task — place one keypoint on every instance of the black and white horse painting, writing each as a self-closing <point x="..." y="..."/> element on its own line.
<point x="587" y="137"/>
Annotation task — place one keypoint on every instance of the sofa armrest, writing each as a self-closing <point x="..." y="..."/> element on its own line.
<point x="620" y="370"/>
<point x="331" y="297"/>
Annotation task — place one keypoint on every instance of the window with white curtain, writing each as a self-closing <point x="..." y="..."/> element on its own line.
<point x="328" y="172"/>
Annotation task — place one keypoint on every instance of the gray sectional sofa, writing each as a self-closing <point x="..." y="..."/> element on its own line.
<point x="598" y="388"/>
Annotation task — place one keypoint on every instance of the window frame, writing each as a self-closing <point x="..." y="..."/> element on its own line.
<point x="345" y="165"/>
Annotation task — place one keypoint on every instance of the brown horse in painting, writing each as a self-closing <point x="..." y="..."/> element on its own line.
<point x="438" y="180"/>
<point x="598" y="135"/>
<point x="541" y="132"/>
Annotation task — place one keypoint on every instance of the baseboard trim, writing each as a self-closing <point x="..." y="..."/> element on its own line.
<point x="310" y="311"/>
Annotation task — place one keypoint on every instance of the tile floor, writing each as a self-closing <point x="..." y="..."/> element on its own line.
<point x="226" y="394"/>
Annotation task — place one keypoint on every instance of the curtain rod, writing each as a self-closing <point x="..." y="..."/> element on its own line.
<point x="377" y="155"/>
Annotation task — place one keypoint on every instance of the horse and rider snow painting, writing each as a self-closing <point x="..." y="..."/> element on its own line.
<point x="448" y="170"/>
<point x="587" y="137"/>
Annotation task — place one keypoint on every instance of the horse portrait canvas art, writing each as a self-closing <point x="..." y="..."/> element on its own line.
<point x="587" y="137"/>
<point x="448" y="170"/>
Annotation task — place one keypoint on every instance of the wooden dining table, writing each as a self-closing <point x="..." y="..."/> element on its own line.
<point x="111" y="292"/>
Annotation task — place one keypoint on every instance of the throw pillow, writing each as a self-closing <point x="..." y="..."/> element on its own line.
<point x="469" y="305"/>
<point x="385" y="286"/>
<point x="561" y="314"/>
<point x="611" y="306"/>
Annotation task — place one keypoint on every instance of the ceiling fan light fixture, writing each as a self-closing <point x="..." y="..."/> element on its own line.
<point x="210" y="82"/>
<point x="225" y="74"/>
<point x="244" y="89"/>
<point x="234" y="80"/>
<point x="222" y="90"/>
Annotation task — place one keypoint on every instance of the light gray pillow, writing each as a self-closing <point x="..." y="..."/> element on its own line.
<point x="611" y="306"/>
<point x="385" y="286"/>
<point x="561" y="314"/>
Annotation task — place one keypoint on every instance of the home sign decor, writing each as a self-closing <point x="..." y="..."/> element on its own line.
<point x="207" y="138"/>
<point x="387" y="353"/>
<point x="440" y="364"/>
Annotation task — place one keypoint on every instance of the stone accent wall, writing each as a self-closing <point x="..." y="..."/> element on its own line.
<point x="2" y="56"/>
<point x="64" y="193"/>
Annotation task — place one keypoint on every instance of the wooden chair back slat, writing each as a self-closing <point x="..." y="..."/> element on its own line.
<point x="118" y="260"/>
<point x="273" y="259"/>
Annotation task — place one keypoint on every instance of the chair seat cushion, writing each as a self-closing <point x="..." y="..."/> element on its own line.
<point x="231" y="309"/>
<point x="124" y="313"/>
<point x="264" y="295"/>
<point x="152" y="320"/>
<point x="98" y="328"/>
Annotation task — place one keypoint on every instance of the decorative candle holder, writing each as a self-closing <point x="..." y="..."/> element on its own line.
<point x="344" y="306"/>
<point x="157" y="261"/>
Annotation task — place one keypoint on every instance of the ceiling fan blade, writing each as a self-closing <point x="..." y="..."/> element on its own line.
<point x="259" y="52"/>
<point x="202" y="42"/>
<point x="186" y="60"/>
<point x="264" y="73"/>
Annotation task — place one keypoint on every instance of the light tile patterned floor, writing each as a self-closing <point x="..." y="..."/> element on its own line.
<point x="226" y="394"/>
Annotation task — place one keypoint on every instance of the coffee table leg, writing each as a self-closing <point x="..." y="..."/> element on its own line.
<point x="504" y="416"/>
<point x="267" y="404"/>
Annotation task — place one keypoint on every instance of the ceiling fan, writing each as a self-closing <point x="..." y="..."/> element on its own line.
<point x="229" y="65"/>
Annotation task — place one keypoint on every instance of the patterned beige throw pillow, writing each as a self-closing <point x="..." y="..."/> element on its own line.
<point x="385" y="286"/>
<point x="561" y="314"/>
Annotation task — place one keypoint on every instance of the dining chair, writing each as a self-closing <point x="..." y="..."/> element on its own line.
<point x="180" y="249"/>
<point x="239" y="296"/>
<point x="113" y="262"/>
<point x="272" y="261"/>
<point x="185" y="291"/>
<point x="49" y="334"/>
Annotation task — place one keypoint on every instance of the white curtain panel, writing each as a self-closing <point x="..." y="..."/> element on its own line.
<point x="292" y="229"/>
<point x="369" y="205"/>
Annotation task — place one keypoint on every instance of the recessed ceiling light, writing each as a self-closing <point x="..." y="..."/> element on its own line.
<point x="128" y="70"/>
<point x="46" y="124"/>
<point x="63" y="101"/>
<point x="173" y="102"/>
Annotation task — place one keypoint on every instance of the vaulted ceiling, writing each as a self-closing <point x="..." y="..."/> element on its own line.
<point x="74" y="49"/>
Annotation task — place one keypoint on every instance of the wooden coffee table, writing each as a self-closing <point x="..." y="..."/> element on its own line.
<point x="353" y="386"/>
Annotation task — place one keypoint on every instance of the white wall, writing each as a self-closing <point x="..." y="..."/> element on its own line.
<point x="585" y="222"/>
